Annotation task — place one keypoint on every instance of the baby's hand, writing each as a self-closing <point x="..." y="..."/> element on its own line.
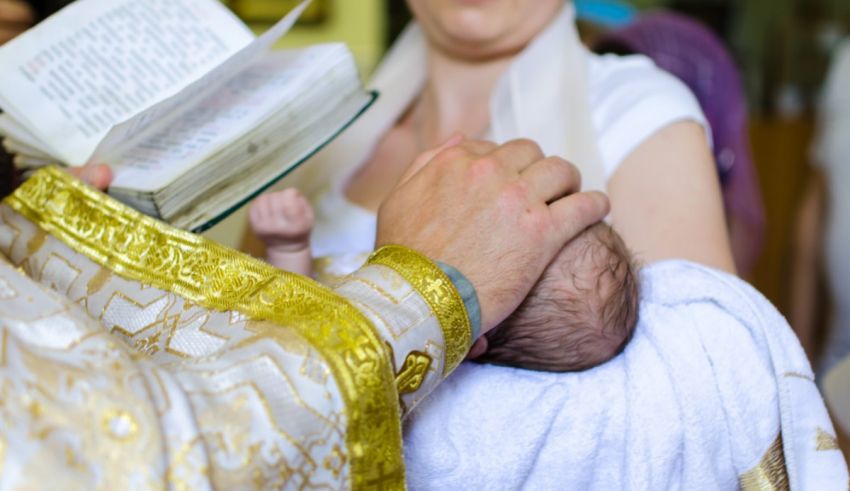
<point x="283" y="220"/>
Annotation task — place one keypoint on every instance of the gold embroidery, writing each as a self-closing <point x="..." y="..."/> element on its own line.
<point x="119" y="424"/>
<point x="279" y="370"/>
<point x="440" y="294"/>
<point x="191" y="340"/>
<point x="770" y="474"/>
<point x="825" y="441"/>
<point x="149" y="345"/>
<point x="120" y="306"/>
<point x="62" y="273"/>
<point x="413" y="372"/>
<point x="36" y="241"/>
<point x="335" y="461"/>
<point x="98" y="280"/>
<point x="393" y="330"/>
<point x="231" y="413"/>
<point x="799" y="375"/>
<point x="7" y="243"/>
<point x="139" y="248"/>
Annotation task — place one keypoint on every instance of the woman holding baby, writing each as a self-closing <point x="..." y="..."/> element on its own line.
<point x="499" y="70"/>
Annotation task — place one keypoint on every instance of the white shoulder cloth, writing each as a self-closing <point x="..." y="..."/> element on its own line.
<point x="713" y="392"/>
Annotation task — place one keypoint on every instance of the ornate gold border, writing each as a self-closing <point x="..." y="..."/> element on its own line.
<point x="440" y="293"/>
<point x="142" y="249"/>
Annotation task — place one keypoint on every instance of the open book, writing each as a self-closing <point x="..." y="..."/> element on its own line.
<point x="194" y="113"/>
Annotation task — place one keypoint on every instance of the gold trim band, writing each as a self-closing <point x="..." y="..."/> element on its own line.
<point x="440" y="294"/>
<point x="142" y="249"/>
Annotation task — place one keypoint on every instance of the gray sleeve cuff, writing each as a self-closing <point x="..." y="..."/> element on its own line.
<point x="467" y="293"/>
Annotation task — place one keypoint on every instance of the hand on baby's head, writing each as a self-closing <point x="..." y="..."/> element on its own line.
<point x="580" y="314"/>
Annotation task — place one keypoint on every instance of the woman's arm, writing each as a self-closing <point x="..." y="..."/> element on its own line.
<point x="666" y="201"/>
<point x="806" y="263"/>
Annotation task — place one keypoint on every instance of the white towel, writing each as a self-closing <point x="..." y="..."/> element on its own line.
<point x="695" y="402"/>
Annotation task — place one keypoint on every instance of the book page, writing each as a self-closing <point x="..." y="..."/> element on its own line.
<point x="10" y="129"/>
<point x="98" y="62"/>
<point x="242" y="104"/>
<point x="138" y="127"/>
<point x="18" y="148"/>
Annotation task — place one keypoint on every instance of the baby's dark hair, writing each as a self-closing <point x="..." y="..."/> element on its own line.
<point x="581" y="313"/>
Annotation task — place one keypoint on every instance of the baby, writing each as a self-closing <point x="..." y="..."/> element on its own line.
<point x="580" y="314"/>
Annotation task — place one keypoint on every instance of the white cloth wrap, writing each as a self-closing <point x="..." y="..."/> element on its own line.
<point x="695" y="401"/>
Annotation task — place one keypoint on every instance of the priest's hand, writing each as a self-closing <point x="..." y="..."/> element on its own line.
<point x="15" y="17"/>
<point x="498" y="214"/>
<point x="96" y="175"/>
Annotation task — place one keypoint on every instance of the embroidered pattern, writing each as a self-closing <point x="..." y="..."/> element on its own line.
<point x="142" y="249"/>
<point x="437" y="289"/>
<point x="770" y="474"/>
<point x="825" y="442"/>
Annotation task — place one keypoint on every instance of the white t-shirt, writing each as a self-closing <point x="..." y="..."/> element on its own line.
<point x="631" y="99"/>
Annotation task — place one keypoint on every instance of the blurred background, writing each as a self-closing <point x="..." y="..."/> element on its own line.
<point x="789" y="61"/>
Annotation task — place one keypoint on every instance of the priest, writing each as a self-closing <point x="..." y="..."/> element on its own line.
<point x="137" y="356"/>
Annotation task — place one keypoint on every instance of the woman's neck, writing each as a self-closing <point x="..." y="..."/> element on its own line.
<point x="456" y="97"/>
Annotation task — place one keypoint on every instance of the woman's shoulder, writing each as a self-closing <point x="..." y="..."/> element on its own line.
<point x="631" y="99"/>
<point x="614" y="77"/>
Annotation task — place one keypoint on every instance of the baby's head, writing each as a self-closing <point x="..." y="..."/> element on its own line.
<point x="581" y="313"/>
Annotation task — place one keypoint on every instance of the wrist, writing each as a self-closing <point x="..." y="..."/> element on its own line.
<point x="467" y="293"/>
<point x="287" y="247"/>
<point x="438" y="291"/>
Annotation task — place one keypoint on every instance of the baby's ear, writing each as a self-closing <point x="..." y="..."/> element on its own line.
<point x="479" y="347"/>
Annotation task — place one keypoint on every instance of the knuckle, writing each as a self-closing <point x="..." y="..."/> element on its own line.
<point x="538" y="221"/>
<point x="517" y="190"/>
<point x="526" y="144"/>
<point x="559" y="164"/>
<point x="571" y="172"/>
<point x="561" y="167"/>
<point x="482" y="146"/>
<point x="553" y="171"/>
<point x="515" y="198"/>
<point x="484" y="166"/>
<point x="586" y="206"/>
<point x="449" y="155"/>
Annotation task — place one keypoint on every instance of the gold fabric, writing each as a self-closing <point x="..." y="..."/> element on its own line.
<point x="257" y="377"/>
<point x="400" y="314"/>
<point x="770" y="474"/>
<point x="437" y="289"/>
<point x="61" y="421"/>
<point x="825" y="442"/>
